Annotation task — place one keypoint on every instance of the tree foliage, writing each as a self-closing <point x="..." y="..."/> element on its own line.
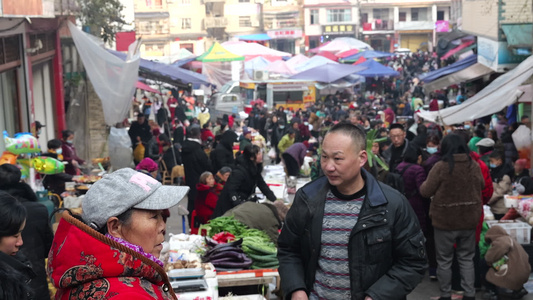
<point x="103" y="17"/>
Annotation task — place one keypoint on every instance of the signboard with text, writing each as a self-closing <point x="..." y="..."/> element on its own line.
<point x="285" y="34"/>
<point x="442" y="26"/>
<point x="338" y="29"/>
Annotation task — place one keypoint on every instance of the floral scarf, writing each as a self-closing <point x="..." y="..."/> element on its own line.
<point x="135" y="248"/>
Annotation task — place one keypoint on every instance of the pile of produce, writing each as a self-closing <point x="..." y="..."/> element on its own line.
<point x="226" y="255"/>
<point x="254" y="243"/>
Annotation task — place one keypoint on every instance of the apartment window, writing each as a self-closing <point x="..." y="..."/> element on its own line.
<point x="440" y="15"/>
<point x="244" y="1"/>
<point x="153" y="27"/>
<point x="154" y="3"/>
<point x="244" y="21"/>
<point x="419" y="14"/>
<point x="339" y="15"/>
<point x="314" y="16"/>
<point x="185" y="2"/>
<point x="402" y="17"/>
<point x="381" y="14"/>
<point x="186" y="23"/>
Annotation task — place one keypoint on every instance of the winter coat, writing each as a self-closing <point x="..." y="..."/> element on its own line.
<point x="241" y="185"/>
<point x="69" y="155"/>
<point x="195" y="162"/>
<point x="285" y="143"/>
<point x="85" y="264"/>
<point x="223" y="156"/>
<point x="386" y="242"/>
<point x="486" y="193"/>
<point x="138" y="130"/>
<point x="413" y="177"/>
<point x="262" y="216"/>
<point x="511" y="154"/>
<point x="56" y="183"/>
<point x="15" y="275"/>
<point x="517" y="272"/>
<point x="456" y="203"/>
<point x="431" y="161"/>
<point x="205" y="202"/>
<point x="152" y="149"/>
<point x="37" y="236"/>
<point x="525" y="180"/>
<point x="501" y="182"/>
<point x="244" y="142"/>
<point x="298" y="152"/>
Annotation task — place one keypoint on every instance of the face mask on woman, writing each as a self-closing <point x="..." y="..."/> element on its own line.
<point x="432" y="150"/>
<point x="493" y="166"/>
<point x="467" y="127"/>
<point x="70" y="141"/>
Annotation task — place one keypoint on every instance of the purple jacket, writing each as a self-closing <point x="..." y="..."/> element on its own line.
<point x="297" y="151"/>
<point x="431" y="161"/>
<point x="413" y="178"/>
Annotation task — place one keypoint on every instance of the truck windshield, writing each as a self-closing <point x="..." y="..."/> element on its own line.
<point x="226" y="87"/>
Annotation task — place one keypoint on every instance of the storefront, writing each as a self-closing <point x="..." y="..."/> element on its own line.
<point x="286" y="40"/>
<point x="330" y="32"/>
<point x="415" y="40"/>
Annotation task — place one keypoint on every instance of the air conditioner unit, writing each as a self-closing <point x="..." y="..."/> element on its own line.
<point x="260" y="75"/>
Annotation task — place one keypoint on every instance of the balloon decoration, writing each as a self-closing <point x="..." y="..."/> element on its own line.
<point x="24" y="166"/>
<point x="8" y="158"/>
<point x="22" y="143"/>
<point x="48" y="165"/>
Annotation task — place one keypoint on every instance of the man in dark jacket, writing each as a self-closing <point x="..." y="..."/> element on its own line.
<point x="195" y="162"/>
<point x="400" y="145"/>
<point x="139" y="131"/>
<point x="347" y="236"/>
<point x="223" y="156"/>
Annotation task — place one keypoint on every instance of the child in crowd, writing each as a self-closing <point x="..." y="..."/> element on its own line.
<point x="206" y="199"/>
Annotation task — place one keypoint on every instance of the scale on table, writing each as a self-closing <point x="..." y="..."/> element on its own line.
<point x="187" y="280"/>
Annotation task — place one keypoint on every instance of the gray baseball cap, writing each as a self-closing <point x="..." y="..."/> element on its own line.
<point x="123" y="189"/>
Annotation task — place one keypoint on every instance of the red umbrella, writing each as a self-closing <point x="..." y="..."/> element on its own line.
<point x="328" y="55"/>
<point x="347" y="53"/>
<point x="361" y="59"/>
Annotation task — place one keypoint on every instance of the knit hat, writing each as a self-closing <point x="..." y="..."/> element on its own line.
<point x="124" y="189"/>
<point x="486" y="142"/>
<point x="147" y="164"/>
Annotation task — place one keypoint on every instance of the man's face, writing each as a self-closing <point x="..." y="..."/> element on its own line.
<point x="397" y="137"/>
<point x="354" y="120"/>
<point x="341" y="160"/>
<point x="140" y="119"/>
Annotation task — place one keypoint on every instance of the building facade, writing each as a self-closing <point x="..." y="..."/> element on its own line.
<point x="504" y="31"/>
<point x="283" y="23"/>
<point x="326" y="20"/>
<point x="31" y="74"/>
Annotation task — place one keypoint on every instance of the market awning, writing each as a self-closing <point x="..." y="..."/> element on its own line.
<point x="255" y="37"/>
<point x="146" y="87"/>
<point x="456" y="49"/>
<point x="518" y="35"/>
<point x="502" y="92"/>
<point x="167" y="73"/>
<point x="470" y="73"/>
<point x="457" y="66"/>
<point x="218" y="53"/>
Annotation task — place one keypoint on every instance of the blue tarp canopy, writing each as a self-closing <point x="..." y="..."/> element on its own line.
<point x="328" y="72"/>
<point x="314" y="61"/>
<point x="167" y="73"/>
<point x="258" y="63"/>
<point x="184" y="61"/>
<point x="455" y="67"/>
<point x="373" y="69"/>
<point x="254" y="37"/>
<point x="368" y="54"/>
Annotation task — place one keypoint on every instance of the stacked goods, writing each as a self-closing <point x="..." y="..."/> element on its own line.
<point x="254" y="243"/>
<point x="226" y="255"/>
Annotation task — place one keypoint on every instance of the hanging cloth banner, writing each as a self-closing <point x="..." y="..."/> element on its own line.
<point x="113" y="79"/>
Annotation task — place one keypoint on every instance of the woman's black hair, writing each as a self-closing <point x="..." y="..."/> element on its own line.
<point x="433" y="139"/>
<point x="9" y="175"/>
<point x="12" y="215"/>
<point x="453" y="144"/>
<point x="250" y="152"/>
<point x="66" y="133"/>
<point x="54" y="144"/>
<point x="411" y="155"/>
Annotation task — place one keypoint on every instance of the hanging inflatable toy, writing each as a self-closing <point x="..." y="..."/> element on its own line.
<point x="48" y="165"/>
<point x="8" y="158"/>
<point x="21" y="143"/>
<point x="24" y="165"/>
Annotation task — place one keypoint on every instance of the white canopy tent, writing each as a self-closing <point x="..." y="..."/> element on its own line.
<point x="501" y="93"/>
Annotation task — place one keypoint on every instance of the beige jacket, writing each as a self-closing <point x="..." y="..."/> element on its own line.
<point x="496" y="202"/>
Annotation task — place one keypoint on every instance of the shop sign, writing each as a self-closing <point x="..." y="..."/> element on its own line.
<point x="442" y="26"/>
<point x="285" y="34"/>
<point x="338" y="29"/>
<point x="496" y="55"/>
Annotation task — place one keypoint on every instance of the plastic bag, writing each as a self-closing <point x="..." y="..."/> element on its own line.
<point x="272" y="153"/>
<point x="120" y="152"/>
<point x="138" y="153"/>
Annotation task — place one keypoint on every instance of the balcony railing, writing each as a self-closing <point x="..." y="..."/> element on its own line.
<point x="415" y="25"/>
<point x="215" y="22"/>
<point x="379" y="25"/>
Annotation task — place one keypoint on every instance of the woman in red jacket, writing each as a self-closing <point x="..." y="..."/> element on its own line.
<point x="206" y="199"/>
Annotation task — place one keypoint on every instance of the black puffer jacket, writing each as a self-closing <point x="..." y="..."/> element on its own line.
<point x="240" y="185"/>
<point x="387" y="256"/>
<point x="223" y="156"/>
<point x="15" y="273"/>
<point x="195" y="162"/>
<point x="37" y="236"/>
